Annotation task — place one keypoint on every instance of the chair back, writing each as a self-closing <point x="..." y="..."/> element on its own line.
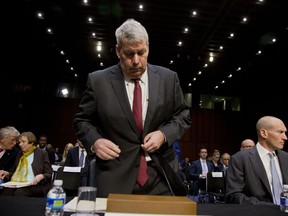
<point x="92" y="173"/>
<point x="71" y="180"/>
<point x="215" y="186"/>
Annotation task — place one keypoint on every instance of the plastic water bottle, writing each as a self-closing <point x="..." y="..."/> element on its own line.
<point x="284" y="199"/>
<point x="56" y="199"/>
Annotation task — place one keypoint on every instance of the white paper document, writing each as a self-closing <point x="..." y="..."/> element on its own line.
<point x="72" y="169"/>
<point x="101" y="205"/>
<point x="12" y="184"/>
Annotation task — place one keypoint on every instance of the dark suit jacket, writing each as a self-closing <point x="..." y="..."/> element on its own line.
<point x="105" y="112"/>
<point x="194" y="173"/>
<point x="247" y="181"/>
<point x="51" y="155"/>
<point x="73" y="160"/>
<point x="8" y="159"/>
<point x="40" y="165"/>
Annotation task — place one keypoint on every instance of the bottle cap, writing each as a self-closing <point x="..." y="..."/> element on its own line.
<point x="58" y="182"/>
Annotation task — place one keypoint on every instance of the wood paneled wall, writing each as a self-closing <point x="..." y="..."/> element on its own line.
<point x="212" y="129"/>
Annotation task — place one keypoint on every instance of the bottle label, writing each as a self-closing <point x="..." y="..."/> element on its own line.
<point x="55" y="203"/>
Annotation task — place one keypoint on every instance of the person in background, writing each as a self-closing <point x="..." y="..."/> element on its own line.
<point x="51" y="147"/>
<point x="198" y="171"/>
<point x="8" y="148"/>
<point x="177" y="149"/>
<point x="106" y="125"/>
<point x="31" y="166"/>
<point x="217" y="165"/>
<point x="43" y="145"/>
<point x="74" y="159"/>
<point x="67" y="147"/>
<point x="247" y="144"/>
<point x="249" y="178"/>
<point x="225" y="158"/>
<point x="58" y="155"/>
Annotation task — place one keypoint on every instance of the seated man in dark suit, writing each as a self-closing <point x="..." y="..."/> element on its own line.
<point x="77" y="157"/>
<point x="249" y="175"/>
<point x="8" y="148"/>
<point x="198" y="171"/>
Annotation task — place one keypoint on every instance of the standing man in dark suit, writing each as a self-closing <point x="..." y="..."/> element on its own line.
<point x="8" y="148"/>
<point x="249" y="178"/>
<point x="74" y="159"/>
<point x="43" y="145"/>
<point x="105" y="122"/>
<point x="198" y="171"/>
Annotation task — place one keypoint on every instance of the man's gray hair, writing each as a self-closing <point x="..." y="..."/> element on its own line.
<point x="131" y="31"/>
<point x="9" y="131"/>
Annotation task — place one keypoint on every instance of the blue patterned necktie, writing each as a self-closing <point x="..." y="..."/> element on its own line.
<point x="276" y="185"/>
<point x="81" y="160"/>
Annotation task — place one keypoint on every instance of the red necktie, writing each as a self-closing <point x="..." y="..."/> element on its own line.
<point x="142" y="176"/>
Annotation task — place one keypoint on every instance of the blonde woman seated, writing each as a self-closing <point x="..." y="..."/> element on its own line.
<point x="67" y="147"/>
<point x="32" y="165"/>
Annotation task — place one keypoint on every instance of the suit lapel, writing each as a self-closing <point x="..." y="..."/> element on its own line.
<point x="153" y="79"/>
<point x="283" y="165"/>
<point x="118" y="84"/>
<point x="256" y="162"/>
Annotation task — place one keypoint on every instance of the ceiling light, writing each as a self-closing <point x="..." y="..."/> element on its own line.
<point x="244" y="20"/>
<point x="40" y="15"/>
<point x="90" y="19"/>
<point x="49" y="31"/>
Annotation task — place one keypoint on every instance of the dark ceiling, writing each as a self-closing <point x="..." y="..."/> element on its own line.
<point x="34" y="60"/>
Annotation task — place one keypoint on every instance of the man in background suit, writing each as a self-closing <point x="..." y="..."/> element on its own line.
<point x="43" y="145"/>
<point x="73" y="159"/>
<point x="198" y="171"/>
<point x="249" y="173"/>
<point x="8" y="148"/>
<point x="106" y="125"/>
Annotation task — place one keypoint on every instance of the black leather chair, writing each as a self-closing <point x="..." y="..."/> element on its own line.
<point x="215" y="187"/>
<point x="71" y="181"/>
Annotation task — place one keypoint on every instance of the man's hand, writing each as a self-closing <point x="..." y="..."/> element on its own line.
<point x="153" y="141"/>
<point x="105" y="149"/>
